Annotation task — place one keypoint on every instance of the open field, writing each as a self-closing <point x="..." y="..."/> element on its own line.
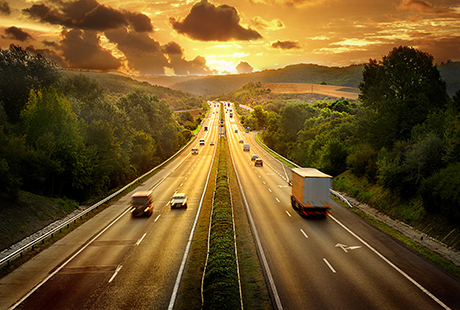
<point x="302" y="88"/>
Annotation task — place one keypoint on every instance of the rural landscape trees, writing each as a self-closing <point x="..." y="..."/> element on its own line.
<point x="403" y="133"/>
<point x="62" y="135"/>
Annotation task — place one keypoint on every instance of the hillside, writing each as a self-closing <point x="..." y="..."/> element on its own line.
<point x="119" y="84"/>
<point x="301" y="73"/>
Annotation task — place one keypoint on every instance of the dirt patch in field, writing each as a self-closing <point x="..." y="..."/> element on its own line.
<point x="301" y="88"/>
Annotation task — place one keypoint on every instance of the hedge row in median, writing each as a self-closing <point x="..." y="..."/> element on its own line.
<point x="220" y="285"/>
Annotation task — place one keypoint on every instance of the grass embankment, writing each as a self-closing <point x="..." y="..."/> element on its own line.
<point x="28" y="214"/>
<point x="222" y="278"/>
<point x="407" y="211"/>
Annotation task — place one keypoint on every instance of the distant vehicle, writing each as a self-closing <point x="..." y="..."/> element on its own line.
<point x="310" y="191"/>
<point x="254" y="157"/>
<point x="258" y="162"/>
<point x="236" y="130"/>
<point x="195" y="151"/>
<point x="241" y="141"/>
<point x="142" y="203"/>
<point x="178" y="200"/>
<point x="202" y="142"/>
<point x="246" y="147"/>
<point x="205" y="128"/>
<point x="231" y="115"/>
<point x="211" y="143"/>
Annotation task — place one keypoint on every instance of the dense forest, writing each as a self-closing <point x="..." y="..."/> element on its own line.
<point x="64" y="134"/>
<point x="403" y="133"/>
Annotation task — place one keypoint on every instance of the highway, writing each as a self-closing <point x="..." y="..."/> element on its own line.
<point x="129" y="262"/>
<point x="337" y="262"/>
<point x="115" y="261"/>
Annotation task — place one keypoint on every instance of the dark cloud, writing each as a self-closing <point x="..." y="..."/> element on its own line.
<point x="244" y="67"/>
<point x="172" y="48"/>
<point x="206" y="22"/>
<point x="89" y="15"/>
<point x="143" y="53"/>
<point x="181" y="66"/>
<point x="5" y="8"/>
<point x="286" y="45"/>
<point x="16" y="33"/>
<point x="48" y="54"/>
<point x="82" y="49"/>
<point x="49" y="43"/>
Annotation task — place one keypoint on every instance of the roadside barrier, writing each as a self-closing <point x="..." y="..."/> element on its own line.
<point x="30" y="245"/>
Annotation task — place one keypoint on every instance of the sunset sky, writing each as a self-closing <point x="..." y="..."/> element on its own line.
<point x="226" y="36"/>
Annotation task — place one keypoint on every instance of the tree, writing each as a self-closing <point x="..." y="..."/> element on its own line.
<point x="399" y="92"/>
<point x="19" y="73"/>
<point x="51" y="130"/>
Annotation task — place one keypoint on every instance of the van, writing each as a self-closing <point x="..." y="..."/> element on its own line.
<point x="246" y="147"/>
<point x="142" y="203"/>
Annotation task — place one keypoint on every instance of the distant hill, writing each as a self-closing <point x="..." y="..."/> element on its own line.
<point x="216" y="85"/>
<point x="119" y="84"/>
<point x="302" y="73"/>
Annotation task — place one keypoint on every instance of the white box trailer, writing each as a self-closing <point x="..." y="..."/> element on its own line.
<point x="310" y="192"/>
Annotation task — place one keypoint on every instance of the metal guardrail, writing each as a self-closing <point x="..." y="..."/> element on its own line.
<point x="31" y="244"/>
<point x="284" y="158"/>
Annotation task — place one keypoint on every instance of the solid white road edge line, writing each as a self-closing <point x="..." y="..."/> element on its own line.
<point x="172" y="301"/>
<point x="392" y="265"/>
<point x="261" y="252"/>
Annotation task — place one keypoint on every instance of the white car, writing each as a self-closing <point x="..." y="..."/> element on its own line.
<point x="179" y="200"/>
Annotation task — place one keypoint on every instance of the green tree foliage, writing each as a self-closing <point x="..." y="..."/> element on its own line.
<point x="52" y="132"/>
<point x="440" y="193"/>
<point x="399" y="92"/>
<point x="154" y="117"/>
<point x="19" y="73"/>
<point x="69" y="137"/>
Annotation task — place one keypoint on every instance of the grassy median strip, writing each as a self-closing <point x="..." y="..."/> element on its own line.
<point x="220" y="284"/>
<point x="254" y="289"/>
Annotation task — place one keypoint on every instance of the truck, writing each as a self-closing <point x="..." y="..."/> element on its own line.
<point x="142" y="203"/>
<point x="310" y="192"/>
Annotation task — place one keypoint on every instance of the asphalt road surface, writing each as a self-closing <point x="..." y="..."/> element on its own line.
<point x="115" y="261"/>
<point x="130" y="262"/>
<point x="336" y="262"/>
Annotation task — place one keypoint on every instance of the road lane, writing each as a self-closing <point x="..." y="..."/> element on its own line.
<point x="117" y="270"/>
<point x="331" y="268"/>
